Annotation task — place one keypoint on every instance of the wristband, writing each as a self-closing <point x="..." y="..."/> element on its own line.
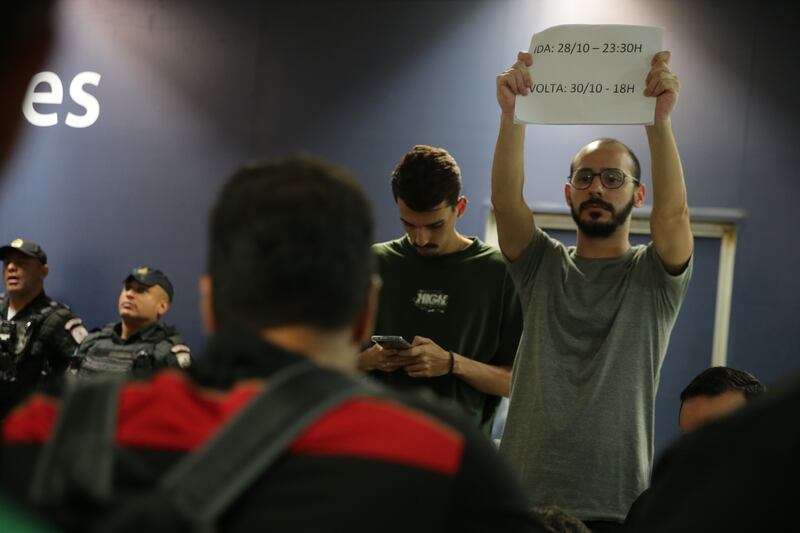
<point x="452" y="361"/>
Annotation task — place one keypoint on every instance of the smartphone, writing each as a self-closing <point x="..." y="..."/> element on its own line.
<point x="394" y="342"/>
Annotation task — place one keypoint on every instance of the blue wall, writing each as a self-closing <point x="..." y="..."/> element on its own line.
<point x="191" y="89"/>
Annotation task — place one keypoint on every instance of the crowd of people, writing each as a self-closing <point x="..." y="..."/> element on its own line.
<point x="294" y="419"/>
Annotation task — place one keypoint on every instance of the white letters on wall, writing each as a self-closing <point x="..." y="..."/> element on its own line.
<point x="84" y="99"/>
<point x="55" y="95"/>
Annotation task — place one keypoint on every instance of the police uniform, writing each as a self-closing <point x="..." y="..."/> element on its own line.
<point x="155" y="346"/>
<point x="38" y="340"/>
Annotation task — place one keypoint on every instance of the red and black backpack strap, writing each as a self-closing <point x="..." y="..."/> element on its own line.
<point x="204" y="484"/>
<point x="78" y="462"/>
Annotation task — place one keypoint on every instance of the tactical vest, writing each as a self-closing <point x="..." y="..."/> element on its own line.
<point x="23" y="341"/>
<point x="100" y="354"/>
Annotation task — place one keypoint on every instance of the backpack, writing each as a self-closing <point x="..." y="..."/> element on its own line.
<point x="76" y="465"/>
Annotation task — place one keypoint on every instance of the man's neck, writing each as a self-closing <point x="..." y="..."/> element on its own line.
<point x="332" y="350"/>
<point x="603" y="247"/>
<point x="459" y="243"/>
<point x="130" y="329"/>
<point x="18" y="302"/>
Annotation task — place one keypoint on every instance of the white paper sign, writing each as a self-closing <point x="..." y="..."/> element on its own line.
<point x="590" y="74"/>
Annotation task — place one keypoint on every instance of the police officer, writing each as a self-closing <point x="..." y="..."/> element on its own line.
<point x="139" y="343"/>
<point x="37" y="335"/>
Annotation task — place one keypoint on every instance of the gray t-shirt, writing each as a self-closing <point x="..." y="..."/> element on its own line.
<point x="580" y="422"/>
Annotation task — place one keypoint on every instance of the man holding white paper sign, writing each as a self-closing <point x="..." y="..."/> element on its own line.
<point x="590" y="74"/>
<point x="597" y="316"/>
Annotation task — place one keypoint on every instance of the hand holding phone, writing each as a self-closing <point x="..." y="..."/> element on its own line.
<point x="392" y="342"/>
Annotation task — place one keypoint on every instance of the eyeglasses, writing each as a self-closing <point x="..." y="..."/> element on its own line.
<point x="611" y="178"/>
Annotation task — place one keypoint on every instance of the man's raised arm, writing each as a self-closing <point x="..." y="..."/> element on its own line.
<point x="669" y="221"/>
<point x="514" y="220"/>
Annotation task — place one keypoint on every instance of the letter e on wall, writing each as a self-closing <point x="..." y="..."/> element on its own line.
<point x="54" y="96"/>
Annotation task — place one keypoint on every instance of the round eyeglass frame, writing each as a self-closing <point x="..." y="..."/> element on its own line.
<point x="603" y="177"/>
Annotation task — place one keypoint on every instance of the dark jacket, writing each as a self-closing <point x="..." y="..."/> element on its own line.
<point x="47" y="335"/>
<point x="370" y="464"/>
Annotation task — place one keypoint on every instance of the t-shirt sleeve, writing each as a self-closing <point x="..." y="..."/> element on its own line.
<point x="672" y="288"/>
<point x="524" y="267"/>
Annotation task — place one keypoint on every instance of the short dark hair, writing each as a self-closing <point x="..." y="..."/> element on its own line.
<point x="426" y="177"/>
<point x="289" y="243"/>
<point x="602" y="141"/>
<point x="719" y="379"/>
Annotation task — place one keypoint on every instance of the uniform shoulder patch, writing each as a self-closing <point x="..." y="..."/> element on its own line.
<point x="76" y="329"/>
<point x="182" y="354"/>
<point x="79" y="333"/>
<point x="72" y="322"/>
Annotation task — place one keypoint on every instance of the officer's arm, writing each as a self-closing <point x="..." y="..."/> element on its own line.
<point x="74" y="333"/>
<point x="76" y="358"/>
<point x="61" y="339"/>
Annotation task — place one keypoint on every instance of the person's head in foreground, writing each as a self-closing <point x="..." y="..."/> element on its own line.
<point x="714" y="393"/>
<point x="26" y="36"/>
<point x="290" y="259"/>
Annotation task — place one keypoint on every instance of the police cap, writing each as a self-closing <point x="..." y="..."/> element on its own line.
<point x="148" y="276"/>
<point x="29" y="248"/>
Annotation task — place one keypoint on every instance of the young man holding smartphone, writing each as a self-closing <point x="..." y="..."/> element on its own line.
<point x="449" y="295"/>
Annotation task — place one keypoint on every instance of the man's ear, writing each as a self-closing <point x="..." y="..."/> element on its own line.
<point x="204" y="288"/>
<point x="45" y="270"/>
<point x="568" y="194"/>
<point x="461" y="205"/>
<point x="639" y="195"/>
<point x="365" y="319"/>
<point x="164" y="301"/>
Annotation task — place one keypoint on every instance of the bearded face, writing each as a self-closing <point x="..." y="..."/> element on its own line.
<point x="593" y="224"/>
